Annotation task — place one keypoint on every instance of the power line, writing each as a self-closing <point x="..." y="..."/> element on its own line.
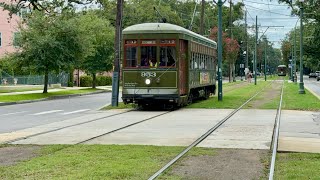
<point x="268" y="11"/>
<point x="247" y="10"/>
<point x="267" y="4"/>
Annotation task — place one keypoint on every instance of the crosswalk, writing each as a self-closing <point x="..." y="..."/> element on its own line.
<point x="53" y="111"/>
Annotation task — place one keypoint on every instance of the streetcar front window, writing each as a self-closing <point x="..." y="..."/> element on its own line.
<point x="149" y="56"/>
<point x="167" y="56"/>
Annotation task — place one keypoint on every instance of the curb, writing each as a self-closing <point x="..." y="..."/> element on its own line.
<point x="313" y="93"/>
<point x="51" y="98"/>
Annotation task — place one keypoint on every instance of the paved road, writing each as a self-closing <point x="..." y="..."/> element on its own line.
<point x="21" y="116"/>
<point x="312" y="84"/>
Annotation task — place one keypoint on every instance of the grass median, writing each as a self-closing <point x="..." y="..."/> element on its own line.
<point x="297" y="166"/>
<point x="233" y="96"/>
<point x="96" y="162"/>
<point x="20" y="89"/>
<point x="294" y="101"/>
<point x="35" y="96"/>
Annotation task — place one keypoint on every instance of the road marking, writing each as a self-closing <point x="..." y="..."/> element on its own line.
<point x="46" y="112"/>
<point x="13" y="113"/>
<point x="72" y="112"/>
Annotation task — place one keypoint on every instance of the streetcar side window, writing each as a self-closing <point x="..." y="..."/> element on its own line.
<point x="131" y="53"/>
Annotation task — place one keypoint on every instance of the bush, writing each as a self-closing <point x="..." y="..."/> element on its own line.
<point x="85" y="81"/>
<point x="104" y="80"/>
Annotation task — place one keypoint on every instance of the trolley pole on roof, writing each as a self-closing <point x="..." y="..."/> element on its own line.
<point x="117" y="47"/>
<point x="219" y="4"/>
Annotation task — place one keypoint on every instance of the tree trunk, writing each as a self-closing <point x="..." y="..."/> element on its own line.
<point x="202" y="18"/>
<point x="46" y="80"/>
<point x="94" y="80"/>
<point x="234" y="72"/>
<point x="70" y="82"/>
<point x="230" y="72"/>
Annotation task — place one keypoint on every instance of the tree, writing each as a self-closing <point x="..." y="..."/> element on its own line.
<point x="230" y="49"/>
<point x="51" y="44"/>
<point x="101" y="36"/>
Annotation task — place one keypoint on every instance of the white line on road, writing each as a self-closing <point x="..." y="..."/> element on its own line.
<point x="47" y="112"/>
<point x="13" y="113"/>
<point x="72" y="112"/>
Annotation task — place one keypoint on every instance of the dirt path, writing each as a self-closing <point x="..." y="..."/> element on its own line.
<point x="225" y="164"/>
<point x="272" y="92"/>
<point x="235" y="86"/>
<point x="13" y="154"/>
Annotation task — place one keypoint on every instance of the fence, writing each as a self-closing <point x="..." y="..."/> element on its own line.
<point x="61" y="78"/>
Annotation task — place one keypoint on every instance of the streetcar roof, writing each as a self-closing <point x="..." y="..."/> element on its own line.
<point x="164" y="28"/>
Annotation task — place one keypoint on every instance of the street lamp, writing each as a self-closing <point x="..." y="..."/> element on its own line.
<point x="219" y="4"/>
<point x="265" y="58"/>
<point x="295" y="53"/>
<point x="301" y="84"/>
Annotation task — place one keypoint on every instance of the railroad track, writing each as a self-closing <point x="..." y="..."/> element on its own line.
<point x="216" y="126"/>
<point x="87" y="122"/>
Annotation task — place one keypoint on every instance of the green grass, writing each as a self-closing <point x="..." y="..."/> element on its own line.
<point x="20" y="89"/>
<point x="295" y="101"/>
<point x="231" y="99"/>
<point x="96" y="162"/>
<point x="24" y="97"/>
<point x="297" y="166"/>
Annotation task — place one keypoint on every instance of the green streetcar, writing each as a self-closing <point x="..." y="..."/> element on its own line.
<point x="165" y="64"/>
<point x="282" y="70"/>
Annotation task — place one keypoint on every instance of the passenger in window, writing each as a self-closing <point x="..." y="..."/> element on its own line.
<point x="144" y="62"/>
<point x="153" y="62"/>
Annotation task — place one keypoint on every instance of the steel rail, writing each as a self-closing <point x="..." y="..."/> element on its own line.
<point x="201" y="138"/>
<point x="57" y="129"/>
<point x="115" y="130"/>
<point x="275" y="137"/>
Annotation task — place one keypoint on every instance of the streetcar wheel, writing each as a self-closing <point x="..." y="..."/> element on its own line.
<point x="207" y="94"/>
<point x="190" y="99"/>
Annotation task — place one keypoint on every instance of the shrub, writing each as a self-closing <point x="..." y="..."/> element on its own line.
<point x="85" y="81"/>
<point x="104" y="80"/>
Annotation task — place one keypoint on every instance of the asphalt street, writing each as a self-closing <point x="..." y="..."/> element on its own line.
<point x="21" y="116"/>
<point x="312" y="84"/>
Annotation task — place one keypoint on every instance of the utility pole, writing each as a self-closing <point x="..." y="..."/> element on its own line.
<point x="295" y="55"/>
<point x="301" y="84"/>
<point x="219" y="4"/>
<point x="117" y="47"/>
<point x="265" y="58"/>
<point x="230" y="19"/>
<point x="202" y="18"/>
<point x="255" y="56"/>
<point x="247" y="43"/>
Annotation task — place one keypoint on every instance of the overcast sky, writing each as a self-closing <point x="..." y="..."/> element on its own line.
<point x="270" y="13"/>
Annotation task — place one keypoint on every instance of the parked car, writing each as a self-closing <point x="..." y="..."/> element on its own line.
<point x="313" y="75"/>
<point x="318" y="77"/>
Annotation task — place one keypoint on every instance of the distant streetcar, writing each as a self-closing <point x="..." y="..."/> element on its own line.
<point x="165" y="64"/>
<point x="282" y="70"/>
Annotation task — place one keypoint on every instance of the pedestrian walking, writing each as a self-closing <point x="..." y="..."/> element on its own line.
<point x="249" y="76"/>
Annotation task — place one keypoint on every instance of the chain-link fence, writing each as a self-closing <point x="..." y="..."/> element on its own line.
<point x="7" y="79"/>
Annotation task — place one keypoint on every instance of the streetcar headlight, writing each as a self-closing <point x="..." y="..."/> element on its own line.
<point x="148" y="81"/>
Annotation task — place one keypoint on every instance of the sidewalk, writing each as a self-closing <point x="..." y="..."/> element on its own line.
<point x="55" y="90"/>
